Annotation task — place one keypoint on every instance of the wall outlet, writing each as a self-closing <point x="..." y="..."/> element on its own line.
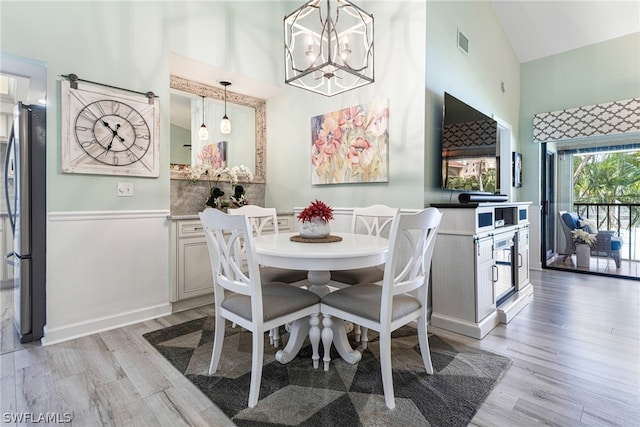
<point x="125" y="189"/>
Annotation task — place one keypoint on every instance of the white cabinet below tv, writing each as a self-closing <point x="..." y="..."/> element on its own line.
<point x="480" y="271"/>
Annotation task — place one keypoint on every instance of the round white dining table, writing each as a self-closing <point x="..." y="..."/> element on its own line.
<point x="318" y="259"/>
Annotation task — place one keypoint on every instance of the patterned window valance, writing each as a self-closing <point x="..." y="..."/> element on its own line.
<point x="593" y="120"/>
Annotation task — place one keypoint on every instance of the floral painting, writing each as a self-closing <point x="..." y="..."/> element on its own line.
<point x="213" y="154"/>
<point x="351" y="145"/>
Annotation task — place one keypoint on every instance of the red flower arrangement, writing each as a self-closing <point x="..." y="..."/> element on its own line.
<point x="316" y="209"/>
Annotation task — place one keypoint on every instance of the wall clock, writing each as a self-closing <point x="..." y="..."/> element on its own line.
<point x="108" y="131"/>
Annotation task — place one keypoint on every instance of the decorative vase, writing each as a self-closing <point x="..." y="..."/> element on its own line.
<point x="315" y="229"/>
<point x="583" y="255"/>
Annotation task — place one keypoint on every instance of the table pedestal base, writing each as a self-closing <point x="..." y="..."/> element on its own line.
<point x="319" y="282"/>
<point x="299" y="331"/>
<point x="333" y="332"/>
<point x="336" y="333"/>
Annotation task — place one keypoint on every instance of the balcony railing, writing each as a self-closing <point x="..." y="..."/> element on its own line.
<point x="623" y="218"/>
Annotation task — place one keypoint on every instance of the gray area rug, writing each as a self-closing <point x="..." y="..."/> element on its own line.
<point x="295" y="394"/>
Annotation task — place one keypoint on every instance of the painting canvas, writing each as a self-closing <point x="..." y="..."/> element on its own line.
<point x="215" y="154"/>
<point x="351" y="145"/>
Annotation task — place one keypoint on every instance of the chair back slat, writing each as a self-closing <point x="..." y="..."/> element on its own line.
<point x="259" y="218"/>
<point x="230" y="239"/>
<point x="411" y="247"/>
<point x="374" y="220"/>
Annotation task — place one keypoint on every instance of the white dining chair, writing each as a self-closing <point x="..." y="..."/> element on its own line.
<point x="374" y="220"/>
<point x="401" y="299"/>
<point x="242" y="298"/>
<point x="265" y="220"/>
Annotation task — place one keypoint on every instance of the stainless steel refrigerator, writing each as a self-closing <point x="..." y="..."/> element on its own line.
<point x="25" y="192"/>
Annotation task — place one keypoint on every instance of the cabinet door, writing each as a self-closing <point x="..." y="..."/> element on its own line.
<point x="485" y="277"/>
<point x="522" y="258"/>
<point x="284" y="223"/>
<point x="194" y="268"/>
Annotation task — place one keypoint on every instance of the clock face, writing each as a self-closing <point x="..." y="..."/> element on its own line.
<point x="109" y="132"/>
<point x="112" y="132"/>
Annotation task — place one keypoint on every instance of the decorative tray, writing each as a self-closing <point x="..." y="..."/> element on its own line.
<point x="328" y="239"/>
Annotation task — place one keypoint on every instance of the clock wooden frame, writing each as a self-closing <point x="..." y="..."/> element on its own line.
<point x="85" y="154"/>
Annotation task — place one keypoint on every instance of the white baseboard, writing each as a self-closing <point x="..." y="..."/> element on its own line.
<point x="93" y="326"/>
<point x="190" y="303"/>
<point x="512" y="306"/>
<point x="470" y="329"/>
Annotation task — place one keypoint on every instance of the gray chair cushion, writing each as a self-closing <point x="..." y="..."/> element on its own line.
<point x="273" y="274"/>
<point x="364" y="300"/>
<point x="358" y="275"/>
<point x="278" y="299"/>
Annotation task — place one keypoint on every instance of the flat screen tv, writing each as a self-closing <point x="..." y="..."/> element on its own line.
<point x="470" y="148"/>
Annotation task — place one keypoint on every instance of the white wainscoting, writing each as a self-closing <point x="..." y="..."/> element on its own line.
<point x="105" y="270"/>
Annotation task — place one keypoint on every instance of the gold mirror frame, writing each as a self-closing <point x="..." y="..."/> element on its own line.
<point x="259" y="105"/>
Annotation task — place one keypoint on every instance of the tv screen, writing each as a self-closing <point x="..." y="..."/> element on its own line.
<point x="470" y="157"/>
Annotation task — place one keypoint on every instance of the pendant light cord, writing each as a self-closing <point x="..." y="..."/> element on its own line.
<point x="203" y="110"/>
<point x="225" y="100"/>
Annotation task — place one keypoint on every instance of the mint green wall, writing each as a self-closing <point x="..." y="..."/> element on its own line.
<point x="127" y="44"/>
<point x="180" y="137"/>
<point x="399" y="77"/>
<point x="101" y="42"/>
<point x="604" y="72"/>
<point x="245" y="37"/>
<point x="475" y="78"/>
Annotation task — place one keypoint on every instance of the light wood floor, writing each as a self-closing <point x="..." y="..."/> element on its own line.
<point x="601" y="265"/>
<point x="575" y="352"/>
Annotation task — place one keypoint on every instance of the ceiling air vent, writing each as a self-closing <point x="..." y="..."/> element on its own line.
<point x="463" y="42"/>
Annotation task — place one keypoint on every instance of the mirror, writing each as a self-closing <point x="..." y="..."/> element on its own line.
<point x="184" y="92"/>
<point x="186" y="118"/>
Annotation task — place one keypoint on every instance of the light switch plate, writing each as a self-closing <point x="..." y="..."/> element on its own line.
<point x="125" y="189"/>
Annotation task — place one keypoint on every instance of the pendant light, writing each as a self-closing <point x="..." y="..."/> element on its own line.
<point x="328" y="47"/>
<point x="203" y="133"/>
<point x="225" y="124"/>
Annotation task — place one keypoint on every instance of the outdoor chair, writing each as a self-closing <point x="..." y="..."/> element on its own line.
<point x="607" y="243"/>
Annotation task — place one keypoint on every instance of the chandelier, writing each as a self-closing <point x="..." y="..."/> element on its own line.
<point x="328" y="47"/>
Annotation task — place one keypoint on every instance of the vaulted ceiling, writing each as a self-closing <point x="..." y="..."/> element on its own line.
<point x="537" y="29"/>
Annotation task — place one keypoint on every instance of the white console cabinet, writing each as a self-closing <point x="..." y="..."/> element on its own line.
<point x="191" y="277"/>
<point x="480" y="272"/>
